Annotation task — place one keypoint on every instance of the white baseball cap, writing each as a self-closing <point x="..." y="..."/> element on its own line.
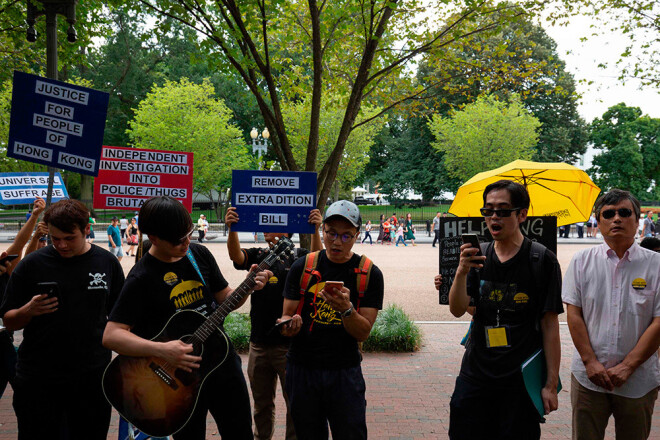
<point x="345" y="209"/>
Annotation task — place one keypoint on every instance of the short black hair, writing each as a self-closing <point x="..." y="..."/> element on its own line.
<point x="67" y="215"/>
<point x="614" y="196"/>
<point x="166" y="218"/>
<point x="651" y="243"/>
<point x="518" y="193"/>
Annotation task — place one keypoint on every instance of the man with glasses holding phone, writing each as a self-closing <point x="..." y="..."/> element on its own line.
<point x="179" y="275"/>
<point x="515" y="316"/>
<point x="268" y="348"/>
<point x="612" y="293"/>
<point x="324" y="379"/>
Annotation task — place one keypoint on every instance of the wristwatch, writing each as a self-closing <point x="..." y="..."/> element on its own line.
<point x="348" y="312"/>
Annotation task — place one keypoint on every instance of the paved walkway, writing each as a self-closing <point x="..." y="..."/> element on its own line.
<point x="407" y="394"/>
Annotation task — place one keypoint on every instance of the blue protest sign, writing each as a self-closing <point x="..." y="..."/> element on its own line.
<point x="273" y="201"/>
<point x="23" y="188"/>
<point x="56" y="124"/>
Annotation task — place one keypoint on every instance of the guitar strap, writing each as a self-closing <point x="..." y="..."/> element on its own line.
<point x="194" y="263"/>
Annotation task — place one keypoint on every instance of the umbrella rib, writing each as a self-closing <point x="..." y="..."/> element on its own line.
<point x="562" y="195"/>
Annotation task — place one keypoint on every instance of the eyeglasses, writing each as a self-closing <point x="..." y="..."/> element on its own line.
<point x="344" y="237"/>
<point x="623" y="213"/>
<point x="183" y="239"/>
<point x="488" y="212"/>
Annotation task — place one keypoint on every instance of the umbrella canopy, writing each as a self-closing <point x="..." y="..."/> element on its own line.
<point x="555" y="189"/>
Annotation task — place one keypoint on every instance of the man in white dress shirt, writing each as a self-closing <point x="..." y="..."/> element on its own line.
<point x="612" y="293"/>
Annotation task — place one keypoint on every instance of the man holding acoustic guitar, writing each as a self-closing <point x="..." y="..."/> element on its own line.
<point x="168" y="384"/>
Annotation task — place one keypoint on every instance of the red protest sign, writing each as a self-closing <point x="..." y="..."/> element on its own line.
<point x="129" y="176"/>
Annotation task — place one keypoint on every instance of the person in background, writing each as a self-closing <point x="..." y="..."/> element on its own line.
<point x="399" y="235"/>
<point x="651" y="243"/>
<point x="409" y="229"/>
<point x="201" y="228"/>
<point x="367" y="232"/>
<point x="39" y="238"/>
<point x="132" y="236"/>
<point x="114" y="239"/>
<point x="7" y="351"/>
<point x="123" y="224"/>
<point x="436" y="228"/>
<point x="647" y="230"/>
<point x="57" y="389"/>
<point x="90" y="235"/>
<point x="381" y="230"/>
<point x="268" y="348"/>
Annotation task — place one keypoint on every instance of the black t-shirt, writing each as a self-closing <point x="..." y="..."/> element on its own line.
<point x="510" y="288"/>
<point x="266" y="304"/>
<point x="65" y="343"/>
<point x="155" y="290"/>
<point x="322" y="341"/>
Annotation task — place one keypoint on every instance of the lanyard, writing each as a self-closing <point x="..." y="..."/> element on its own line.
<point x="194" y="263"/>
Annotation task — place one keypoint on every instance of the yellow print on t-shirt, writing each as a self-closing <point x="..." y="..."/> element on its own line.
<point x="186" y="293"/>
<point x="323" y="314"/>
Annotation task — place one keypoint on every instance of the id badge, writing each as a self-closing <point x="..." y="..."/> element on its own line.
<point x="497" y="336"/>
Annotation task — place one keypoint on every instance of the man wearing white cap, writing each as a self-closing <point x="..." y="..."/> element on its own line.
<point x="324" y="379"/>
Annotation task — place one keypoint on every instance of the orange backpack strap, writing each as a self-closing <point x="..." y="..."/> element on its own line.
<point x="311" y="260"/>
<point x="363" y="272"/>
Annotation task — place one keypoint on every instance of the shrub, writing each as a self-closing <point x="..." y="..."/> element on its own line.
<point x="237" y="326"/>
<point x="393" y="331"/>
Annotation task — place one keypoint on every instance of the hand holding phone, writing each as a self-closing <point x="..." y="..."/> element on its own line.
<point x="281" y="323"/>
<point x="330" y="287"/>
<point x="7" y="258"/>
<point x="473" y="241"/>
<point x="50" y="288"/>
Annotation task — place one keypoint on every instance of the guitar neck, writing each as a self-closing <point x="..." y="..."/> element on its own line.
<point x="229" y="304"/>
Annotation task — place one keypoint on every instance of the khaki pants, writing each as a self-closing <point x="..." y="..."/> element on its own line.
<point x="592" y="410"/>
<point x="265" y="364"/>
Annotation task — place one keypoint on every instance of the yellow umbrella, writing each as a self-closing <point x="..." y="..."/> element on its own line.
<point x="555" y="189"/>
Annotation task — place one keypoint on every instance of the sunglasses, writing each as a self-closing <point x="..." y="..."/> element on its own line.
<point x="345" y="238"/>
<point x="623" y="213"/>
<point x="488" y="212"/>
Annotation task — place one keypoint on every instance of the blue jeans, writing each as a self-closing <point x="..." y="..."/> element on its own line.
<point x="320" y="396"/>
<point x="400" y="239"/>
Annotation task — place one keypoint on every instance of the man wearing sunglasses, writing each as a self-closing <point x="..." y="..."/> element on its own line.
<point x="612" y="293"/>
<point x="515" y="316"/>
<point x="324" y="379"/>
<point x="167" y="279"/>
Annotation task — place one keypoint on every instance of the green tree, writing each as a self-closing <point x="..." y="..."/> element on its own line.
<point x="287" y="49"/>
<point x="356" y="153"/>
<point x="520" y="58"/>
<point x="485" y="135"/>
<point x="635" y="21"/>
<point x="630" y="151"/>
<point x="182" y="116"/>
<point x="403" y="159"/>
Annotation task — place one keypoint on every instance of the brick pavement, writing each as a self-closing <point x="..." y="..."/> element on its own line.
<point x="407" y="394"/>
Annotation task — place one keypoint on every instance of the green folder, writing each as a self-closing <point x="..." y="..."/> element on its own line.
<point x="534" y="375"/>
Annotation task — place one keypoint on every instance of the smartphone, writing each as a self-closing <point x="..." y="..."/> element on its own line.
<point x="472" y="240"/>
<point x="331" y="285"/>
<point x="12" y="257"/>
<point x="281" y="323"/>
<point x="50" y="288"/>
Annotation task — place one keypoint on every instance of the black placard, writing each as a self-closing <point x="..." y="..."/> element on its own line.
<point x="541" y="229"/>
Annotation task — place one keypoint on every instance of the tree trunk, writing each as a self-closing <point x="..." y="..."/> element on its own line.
<point x="87" y="190"/>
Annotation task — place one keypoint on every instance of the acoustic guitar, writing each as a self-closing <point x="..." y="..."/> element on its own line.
<point x="159" y="399"/>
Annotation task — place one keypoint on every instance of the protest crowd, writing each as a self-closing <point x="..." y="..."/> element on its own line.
<point x="310" y="310"/>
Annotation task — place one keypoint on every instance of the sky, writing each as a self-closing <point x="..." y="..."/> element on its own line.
<point x="582" y="59"/>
